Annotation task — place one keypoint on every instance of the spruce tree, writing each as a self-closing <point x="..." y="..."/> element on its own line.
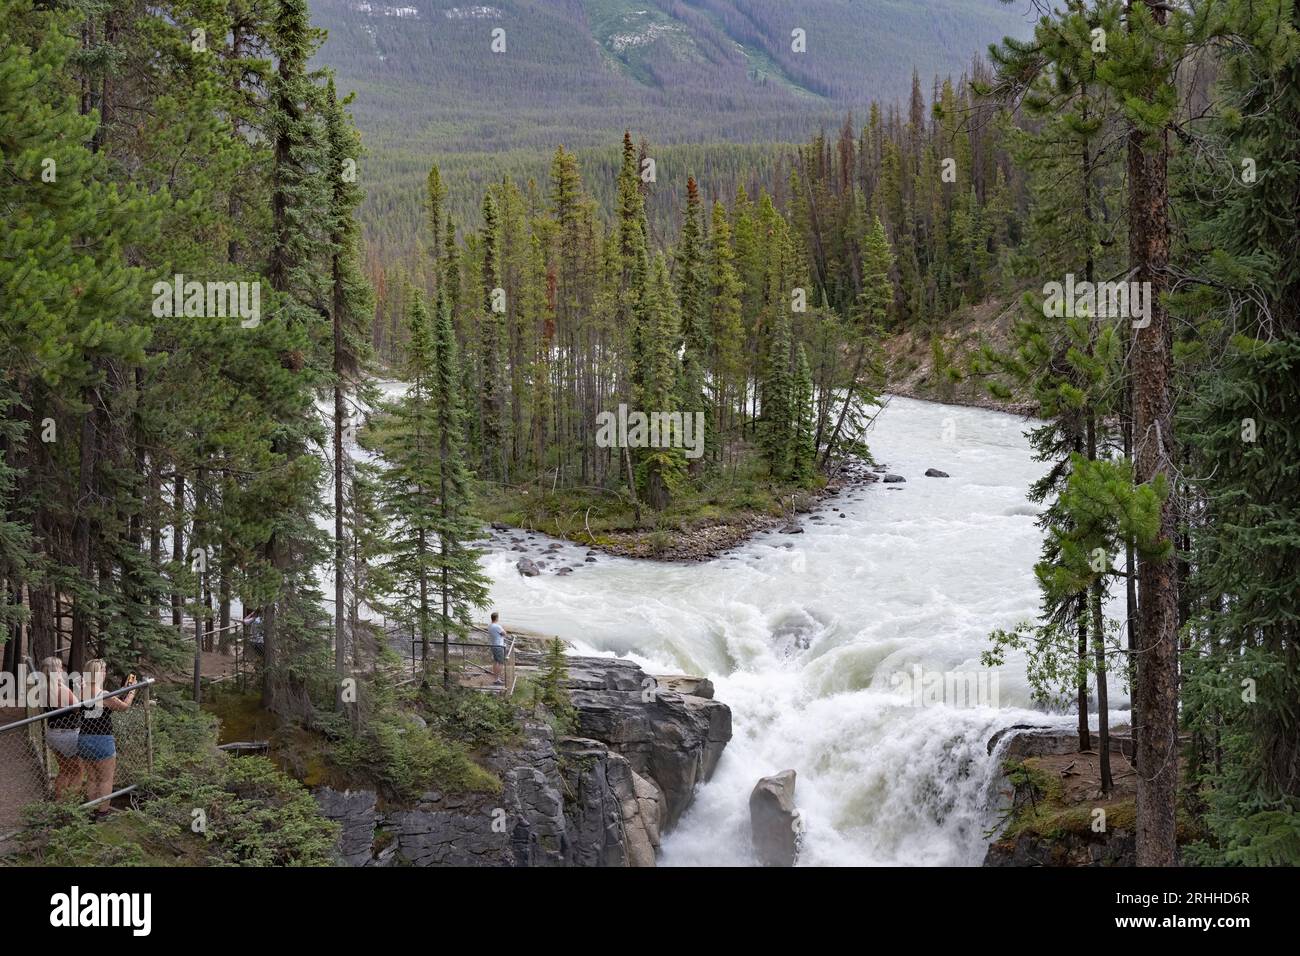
<point x="779" y="412"/>
<point x="350" y="309"/>
<point x="726" y="332"/>
<point x="490" y="358"/>
<point x="436" y="577"/>
<point x="661" y="469"/>
<point x="1241" y="672"/>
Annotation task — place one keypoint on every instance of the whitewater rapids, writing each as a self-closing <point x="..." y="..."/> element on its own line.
<point x="805" y="638"/>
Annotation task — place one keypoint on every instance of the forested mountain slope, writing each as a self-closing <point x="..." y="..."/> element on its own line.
<point x="572" y="70"/>
<point x="580" y="72"/>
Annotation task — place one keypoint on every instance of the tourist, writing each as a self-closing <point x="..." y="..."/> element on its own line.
<point x="97" y="746"/>
<point x="498" y="635"/>
<point x="63" y="729"/>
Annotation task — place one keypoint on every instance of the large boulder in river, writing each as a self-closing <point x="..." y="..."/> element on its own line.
<point x="894" y="479"/>
<point x="773" y="820"/>
<point x="935" y="473"/>
<point x="528" y="567"/>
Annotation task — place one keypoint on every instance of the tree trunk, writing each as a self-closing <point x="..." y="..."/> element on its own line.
<point x="223" y="607"/>
<point x="424" y="611"/>
<point x="1085" y="737"/>
<point x="1157" y="684"/>
<point x="81" y="534"/>
<point x="1103" y="716"/>
<point x="340" y="631"/>
<point x="178" y="545"/>
<point x="631" y="483"/>
<point x="270" y="639"/>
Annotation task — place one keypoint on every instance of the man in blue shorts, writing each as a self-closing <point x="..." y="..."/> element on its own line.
<point x="497" y="633"/>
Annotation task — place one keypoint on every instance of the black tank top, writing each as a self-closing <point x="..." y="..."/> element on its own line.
<point x="101" y="726"/>
<point x="71" y="720"/>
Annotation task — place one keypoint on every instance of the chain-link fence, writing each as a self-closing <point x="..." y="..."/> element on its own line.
<point x="40" y="758"/>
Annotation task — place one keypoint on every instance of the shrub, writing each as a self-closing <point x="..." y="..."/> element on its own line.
<point x="199" y="806"/>
<point x="404" y="759"/>
<point x="549" y="690"/>
<point x="475" y="719"/>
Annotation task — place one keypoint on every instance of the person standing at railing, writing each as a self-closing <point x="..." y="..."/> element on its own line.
<point x="497" y="634"/>
<point x="62" y="731"/>
<point x="98" y="747"/>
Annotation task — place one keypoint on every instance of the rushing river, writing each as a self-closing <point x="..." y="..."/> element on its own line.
<point x="808" y="638"/>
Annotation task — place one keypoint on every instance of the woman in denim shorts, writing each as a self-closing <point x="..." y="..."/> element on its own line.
<point x="63" y="731"/>
<point x="97" y="746"/>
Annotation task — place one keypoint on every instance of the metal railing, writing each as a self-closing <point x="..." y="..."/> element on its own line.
<point x="470" y="663"/>
<point x="32" y="758"/>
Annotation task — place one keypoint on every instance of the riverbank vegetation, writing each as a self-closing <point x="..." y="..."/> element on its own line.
<point x="190" y="317"/>
<point x="198" y="806"/>
<point x="1167" y="425"/>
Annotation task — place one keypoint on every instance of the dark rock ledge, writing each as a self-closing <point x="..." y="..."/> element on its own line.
<point x="604" y="797"/>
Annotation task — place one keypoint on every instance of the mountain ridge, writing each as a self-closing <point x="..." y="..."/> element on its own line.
<point x="438" y="75"/>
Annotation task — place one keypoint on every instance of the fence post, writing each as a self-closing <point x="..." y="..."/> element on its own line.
<point x="38" y="740"/>
<point x="148" y="729"/>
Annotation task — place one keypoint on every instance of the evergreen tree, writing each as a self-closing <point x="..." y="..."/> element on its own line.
<point x="661" y="468"/>
<point x="350" y="307"/>
<point x="780" y="413"/>
<point x="1241" y="672"/>
<point x="435" y="573"/>
<point x="726" y="331"/>
<point x="803" y="455"/>
<point x="298" y="197"/>
<point x="491" y="371"/>
<point x="435" y="198"/>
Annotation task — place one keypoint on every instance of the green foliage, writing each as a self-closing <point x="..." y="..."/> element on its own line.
<point x="61" y="834"/>
<point x="398" y="754"/>
<point x="548" y="690"/>
<point x="470" y="717"/>
<point x="198" y="807"/>
<point x="1241" y="672"/>
<point x="434" y="575"/>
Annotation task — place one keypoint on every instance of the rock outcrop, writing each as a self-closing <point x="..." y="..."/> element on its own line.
<point x="1054" y="811"/>
<point x="673" y="739"/>
<point x="603" y="797"/>
<point x="1116" y="847"/>
<point x="774" y="821"/>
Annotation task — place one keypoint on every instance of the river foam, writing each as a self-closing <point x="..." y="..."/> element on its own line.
<point x="807" y="637"/>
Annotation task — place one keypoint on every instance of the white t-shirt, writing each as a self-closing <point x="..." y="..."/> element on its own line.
<point x="498" y="634"/>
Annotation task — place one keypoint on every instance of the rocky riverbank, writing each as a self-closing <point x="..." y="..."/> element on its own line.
<point x="696" y="541"/>
<point x="1054" y="811"/>
<point x="602" y="797"/>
